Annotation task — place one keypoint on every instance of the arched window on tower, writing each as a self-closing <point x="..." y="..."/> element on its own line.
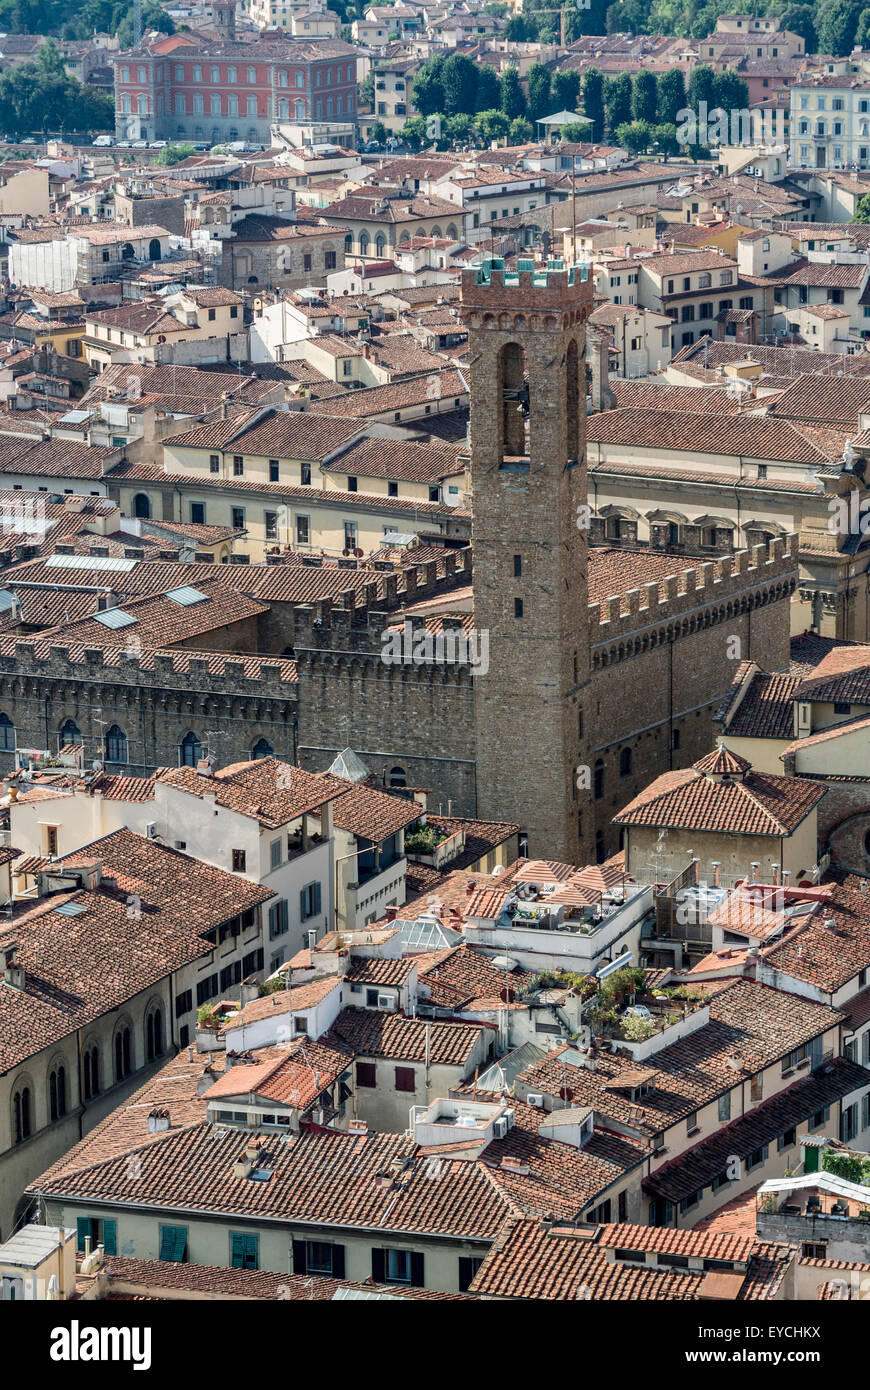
<point x="572" y="402"/>
<point x="70" y="733"/>
<point x="398" y="777"/>
<point x="514" y="384"/>
<point x="191" y="749"/>
<point x="116" y="745"/>
<point x="262" y="749"/>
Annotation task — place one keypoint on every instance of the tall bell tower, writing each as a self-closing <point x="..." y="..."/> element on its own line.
<point x="527" y="339"/>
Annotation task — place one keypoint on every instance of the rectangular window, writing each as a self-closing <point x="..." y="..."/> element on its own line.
<point x="329" y="260"/>
<point x="100" y="1232"/>
<point x="279" y="918"/>
<point x="309" y="901"/>
<point x="197" y="513"/>
<point x="237" y="515"/>
<point x="214" y="463"/>
<point x="725" y="1107"/>
<point x="366" y="1074"/>
<point x="518" y="608"/>
<point x="351" y="482"/>
<point x="239" y="861"/>
<point x="173" y="1244"/>
<point x="303" y="530"/>
<point x="238" y="465"/>
<point x="318" y="1257"/>
<point x="406" y="1079"/>
<point x="245" y="1251"/>
<point x="275" y="854"/>
<point x="183" y="1003"/>
<point x="468" y="1267"/>
<point x="270" y="522"/>
<point x="350" y="535"/>
<point x="274" y="471"/>
<point x="398" y="1267"/>
<point x="518" y="566"/>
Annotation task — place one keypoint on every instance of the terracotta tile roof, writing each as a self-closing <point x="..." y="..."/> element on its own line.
<point x="167" y="1279"/>
<point x="708" y="1160"/>
<point x="408" y="461"/>
<point x="842" y="675"/>
<point x="266" y="789"/>
<point x="330" y="1179"/>
<point x="463" y="975"/>
<point x="767" y="708"/>
<point x="668" y="1240"/>
<point x="827" y="958"/>
<point x="375" y="971"/>
<point x="529" y="1262"/>
<point x="758" y="803"/>
<point x="399" y="395"/>
<point x="374" y="1034"/>
<point x="369" y="812"/>
<point x="161" y="622"/>
<point x="272" y="433"/>
<point x="79" y="967"/>
<point x="296" y="1073"/>
<point x="749" y="1021"/>
<point x="279" y="1002"/>
<point x="750" y="436"/>
<point x="649" y="395"/>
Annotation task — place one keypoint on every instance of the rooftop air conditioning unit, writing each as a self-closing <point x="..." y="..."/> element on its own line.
<point x="501" y="1127"/>
<point x="386" y="1001"/>
<point x="536" y="1099"/>
<point x="151" y="830"/>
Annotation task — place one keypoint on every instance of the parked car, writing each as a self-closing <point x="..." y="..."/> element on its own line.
<point x="158" y="144"/>
<point x="30" y="140"/>
<point x="372" y="147"/>
<point x="139" y="145"/>
<point x="202" y="145"/>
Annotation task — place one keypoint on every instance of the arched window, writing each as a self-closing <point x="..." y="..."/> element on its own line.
<point x="625" y="762"/>
<point x="451" y="232"/>
<point x="70" y="733"/>
<point x="191" y="750"/>
<point x="299" y="110"/>
<point x="7" y="732"/>
<point x="363" y="243"/>
<point x="262" y="749"/>
<point x="348" y="243"/>
<point x="154" y="1034"/>
<point x="116" y="745"/>
<point x="598" y="780"/>
<point x="127" y="252"/>
<point x="154" y="249"/>
<point x="398" y="777"/>
<point x="126" y="109"/>
<point x="142" y="505"/>
<point x="380" y="244"/>
<point x="142" y="104"/>
<point x="123" y="1053"/>
<point x="57" y="1093"/>
<point x="283" y="109"/>
<point x="91" y="1071"/>
<point x="22" y="1125"/>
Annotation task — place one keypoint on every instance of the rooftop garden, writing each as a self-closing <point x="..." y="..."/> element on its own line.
<point x="622" y="1009"/>
<point x="423" y="839"/>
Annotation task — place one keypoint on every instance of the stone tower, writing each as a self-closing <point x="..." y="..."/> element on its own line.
<point x="224" y="12"/>
<point x="526" y="338"/>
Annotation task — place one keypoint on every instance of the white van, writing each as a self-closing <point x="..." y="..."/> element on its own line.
<point x="103" y="141"/>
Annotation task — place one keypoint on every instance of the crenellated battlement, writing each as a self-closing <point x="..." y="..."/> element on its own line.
<point x="533" y="285"/>
<point x="692" y="597"/>
<point x="184" y="669"/>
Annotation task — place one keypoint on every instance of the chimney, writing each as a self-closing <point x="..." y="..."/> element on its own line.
<point x="312" y="939"/>
<point x="715" y="874"/>
<point x="158" y="1120"/>
<point x="776" y="875"/>
<point x="204" y="768"/>
<point x="250" y="990"/>
<point x="392" y="913"/>
<point x="755" y="868"/>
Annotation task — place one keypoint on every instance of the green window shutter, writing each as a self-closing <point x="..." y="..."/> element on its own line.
<point x="110" y="1237"/>
<point x="83" y="1228"/>
<point x="316" y="896"/>
<point x="238" y="1251"/>
<point x="173" y="1243"/>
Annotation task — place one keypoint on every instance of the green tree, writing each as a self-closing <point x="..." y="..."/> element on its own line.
<point x="862" y="209"/>
<point x="521" y="28"/>
<point x="174" y="153"/>
<point x="459" y="83"/>
<point x="730" y="92"/>
<point x="862" y="33"/>
<point x="487" y="88"/>
<point x="48" y="58"/>
<point x="539" y="91"/>
<point x="701" y="87"/>
<point x="414" y="131"/>
<point x="593" y="102"/>
<point x="458" y="129"/>
<point x="635" y="136"/>
<point x="837" y="24"/>
<point x="801" y="19"/>
<point x="521" y="132"/>
<point x="492" y="125"/>
<point x="427" y="88"/>
<point x="566" y="89"/>
<point x="378" y="132"/>
<point x="512" y="98"/>
<point x="575" y="132"/>
<point x="617" y="100"/>
<point x="665" y="136"/>
<point x="644" y="96"/>
<point x="626" y="17"/>
<point x="671" y="96"/>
